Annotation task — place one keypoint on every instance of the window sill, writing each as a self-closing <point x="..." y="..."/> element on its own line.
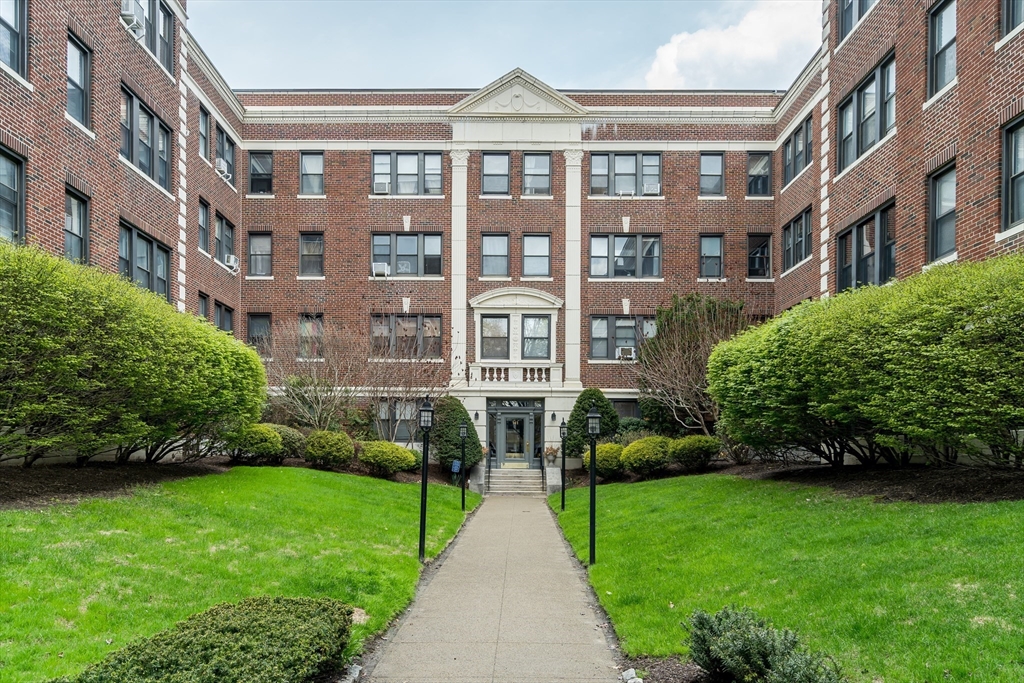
<point x="1010" y="36"/>
<point x="406" y="196"/>
<point x="310" y="360"/>
<point x="711" y="197"/>
<point x="204" y="253"/>
<point x="1010" y="232"/>
<point x="409" y="278"/>
<point x="311" y="277"/>
<point x="712" y="279"/>
<point x="495" y="196"/>
<point x="948" y="258"/>
<point x="625" y="197"/>
<point x="259" y="277"/>
<point x="760" y="279"/>
<point x="311" y="196"/>
<point x="144" y="176"/>
<point x="802" y="171"/>
<point x="878" y="145"/>
<point x="17" y="77"/>
<point x="599" y="361"/>
<point x="761" y="198"/>
<point x="405" y="360"/>
<point x="234" y="273"/>
<point x="796" y="267"/>
<point x="207" y="161"/>
<point x="78" y="124"/>
<point x="228" y="183"/>
<point x="536" y="279"/>
<point x="536" y="196"/>
<point x="261" y="196"/>
<point x="155" y="59"/>
<point x="855" y="27"/>
<point x="626" y="279"/>
<point x="940" y="94"/>
<point x="493" y="278"/>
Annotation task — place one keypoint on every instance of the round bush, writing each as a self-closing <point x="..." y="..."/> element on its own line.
<point x="609" y="459"/>
<point x="329" y="449"/>
<point x="695" y="452"/>
<point x="445" y="443"/>
<point x="293" y="443"/>
<point x="386" y="458"/>
<point x="577" y="442"/>
<point x="255" y="444"/>
<point x="646" y="456"/>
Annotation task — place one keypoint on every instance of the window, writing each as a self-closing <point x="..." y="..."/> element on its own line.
<point x="868" y="114"/>
<point x="712" y="174"/>
<point x="797" y="151"/>
<point x="408" y="255"/>
<point x="223" y="317"/>
<point x="617" y="174"/>
<point x="204" y="306"/>
<point x="204" y="226"/>
<point x="398" y="420"/>
<point x="943" y="232"/>
<point x="225" y="239"/>
<point x="856" y="251"/>
<point x="1013" y="15"/>
<point x="226" y="151"/>
<point x="711" y="256"/>
<point x="537" y="174"/>
<point x="78" y="81"/>
<point x="160" y="32"/>
<point x="495" y="255"/>
<point x="495" y="173"/>
<point x="1015" y="175"/>
<point x="12" y="35"/>
<point x="759" y="249"/>
<point x="759" y="179"/>
<point x="76" y="227"/>
<point x="260" y="254"/>
<point x="311" y="172"/>
<point x="494" y="336"/>
<point x="145" y="261"/>
<point x="627" y="408"/>
<point x="311" y="335"/>
<point x="261" y="173"/>
<point x="536" y="256"/>
<point x="204" y="133"/>
<point x="942" y="46"/>
<point x="311" y="254"/>
<point x="406" y="172"/>
<point x="609" y="335"/>
<point x="145" y="140"/>
<point x="259" y="333"/>
<point x="11" y="220"/>
<point x="851" y="12"/>
<point x="796" y="240"/>
<point x="536" y="336"/>
<point x="616" y="256"/>
<point x="405" y="336"/>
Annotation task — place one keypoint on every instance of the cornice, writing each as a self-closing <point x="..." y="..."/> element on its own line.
<point x="196" y="54"/>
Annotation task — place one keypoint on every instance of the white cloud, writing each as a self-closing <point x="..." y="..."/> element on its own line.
<point x="765" y="48"/>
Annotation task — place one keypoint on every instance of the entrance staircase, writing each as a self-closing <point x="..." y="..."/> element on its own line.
<point x="515" y="482"/>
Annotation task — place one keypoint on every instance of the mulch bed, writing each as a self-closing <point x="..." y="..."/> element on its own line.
<point x="668" y="670"/>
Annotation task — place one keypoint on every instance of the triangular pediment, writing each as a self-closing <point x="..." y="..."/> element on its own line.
<point x="517" y="93"/>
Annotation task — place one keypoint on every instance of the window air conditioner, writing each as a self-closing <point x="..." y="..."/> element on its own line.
<point x="625" y="353"/>
<point x="652" y="188"/>
<point x="231" y="261"/>
<point x="134" y="17"/>
<point x="221" y="167"/>
<point x="381" y="269"/>
<point x="382" y="188"/>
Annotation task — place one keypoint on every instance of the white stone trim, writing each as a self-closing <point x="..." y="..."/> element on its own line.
<point x="405" y="196"/>
<point x="875" y="147"/>
<point x="1010" y="36"/>
<point x="145" y="177"/>
<point x="855" y="27"/>
<point x="795" y="267"/>
<point x="1010" y="232"/>
<point x="17" y="77"/>
<point x="261" y="196"/>
<point x="948" y="258"/>
<point x="78" y="124"/>
<point x="942" y="93"/>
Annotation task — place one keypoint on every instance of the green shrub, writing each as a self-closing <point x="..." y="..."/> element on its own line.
<point x="445" y="443"/>
<point x="694" y="452"/>
<point x="646" y="456"/>
<point x="630" y="424"/>
<point x="577" y="440"/>
<point x="737" y="646"/>
<point x="255" y="444"/>
<point x="626" y="438"/>
<point x="386" y="458"/>
<point x="609" y="459"/>
<point x="329" y="449"/>
<point x="259" y="640"/>
<point x="293" y="443"/>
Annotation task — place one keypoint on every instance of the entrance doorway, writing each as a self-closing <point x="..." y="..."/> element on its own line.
<point x="515" y="433"/>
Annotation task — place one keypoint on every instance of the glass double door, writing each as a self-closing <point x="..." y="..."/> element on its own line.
<point x="515" y="437"/>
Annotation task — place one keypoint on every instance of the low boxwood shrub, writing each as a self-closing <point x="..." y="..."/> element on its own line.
<point x="293" y="442"/>
<point x="737" y="646"/>
<point x="255" y="444"/>
<point x="329" y="449"/>
<point x="646" y="456"/>
<point x="386" y="458"/>
<point x="609" y="459"/>
<point x="694" y="452"/>
<point x="258" y="640"/>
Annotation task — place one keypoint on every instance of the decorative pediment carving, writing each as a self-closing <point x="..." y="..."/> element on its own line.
<point x="515" y="297"/>
<point x="517" y="94"/>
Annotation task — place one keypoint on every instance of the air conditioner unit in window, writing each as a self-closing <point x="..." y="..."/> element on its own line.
<point x="134" y="17"/>
<point x="221" y="167"/>
<point x="382" y="188"/>
<point x="625" y="193"/>
<point x="652" y="188"/>
<point x="231" y="261"/>
<point x="381" y="269"/>
<point x="625" y="353"/>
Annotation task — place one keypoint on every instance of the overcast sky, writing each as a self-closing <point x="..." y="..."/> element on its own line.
<point x="570" y="44"/>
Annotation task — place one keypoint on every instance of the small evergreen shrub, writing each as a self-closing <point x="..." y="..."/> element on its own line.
<point x="609" y="459"/>
<point x="386" y="458"/>
<point x="293" y="443"/>
<point x="626" y="438"/>
<point x="630" y="424"/>
<point x="578" y="441"/>
<point x="258" y="640"/>
<point x="255" y="444"/>
<point x="445" y="443"/>
<point x="695" y="452"/>
<point x="329" y="449"/>
<point x="646" y="456"/>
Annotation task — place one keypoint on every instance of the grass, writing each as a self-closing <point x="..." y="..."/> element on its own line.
<point x="79" y="581"/>
<point x="896" y="592"/>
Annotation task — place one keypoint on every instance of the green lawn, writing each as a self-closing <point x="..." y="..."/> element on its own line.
<point x="897" y="592"/>
<point x="79" y="581"/>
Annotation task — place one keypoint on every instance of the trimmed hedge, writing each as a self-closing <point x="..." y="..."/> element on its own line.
<point x="329" y="449"/>
<point x="646" y="456"/>
<point x="90" y="362"/>
<point x="255" y="444"/>
<point x="609" y="459"/>
<point x="929" y="365"/>
<point x="293" y="442"/>
<point x="258" y="640"/>
<point x="386" y="458"/>
<point x="445" y="444"/>
<point x="694" y="452"/>
<point x="577" y="441"/>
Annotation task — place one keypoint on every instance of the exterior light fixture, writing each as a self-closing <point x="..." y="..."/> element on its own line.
<point x="426" y="422"/>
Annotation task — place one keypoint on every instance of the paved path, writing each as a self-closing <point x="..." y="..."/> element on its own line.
<point x="507" y="604"/>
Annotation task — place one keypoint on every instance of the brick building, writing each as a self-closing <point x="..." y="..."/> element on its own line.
<point x="522" y="235"/>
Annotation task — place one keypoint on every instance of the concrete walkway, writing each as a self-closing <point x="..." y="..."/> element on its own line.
<point x="507" y="604"/>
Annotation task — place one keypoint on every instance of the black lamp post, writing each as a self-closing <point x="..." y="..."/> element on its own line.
<point x="426" y="422"/>
<point x="593" y="430"/>
<point x="465" y="470"/>
<point x="563" y="431"/>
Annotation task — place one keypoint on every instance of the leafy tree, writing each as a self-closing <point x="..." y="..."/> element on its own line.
<point x="445" y="443"/>
<point x="577" y="440"/>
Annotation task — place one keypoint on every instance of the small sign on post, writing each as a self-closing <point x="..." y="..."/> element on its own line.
<point x="456" y="466"/>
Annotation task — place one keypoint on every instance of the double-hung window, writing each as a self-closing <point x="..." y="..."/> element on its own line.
<point x="711" y="256"/>
<point x="494" y="260"/>
<point x="416" y="173"/>
<point x="798" y="151"/>
<point x="76" y="227"/>
<point x="145" y="261"/>
<point x="204" y="226"/>
<point x="311" y="173"/>
<point x="12" y="34"/>
<point x="942" y="46"/>
<point x="943" y="213"/>
<point x="145" y="140"/>
<point x="223" y="317"/>
<point x="406" y="255"/>
<point x="537" y="336"/>
<point x="204" y="133"/>
<point x="11" y="198"/>
<point x="204" y="306"/>
<point x="536" y="173"/>
<point x="495" y="178"/>
<point x="160" y="32"/>
<point x="261" y="172"/>
<point x="226" y="152"/>
<point x="866" y="254"/>
<point x="311" y="254"/>
<point x="615" y="338"/>
<point x="712" y="174"/>
<point x="796" y="240"/>
<point x="258" y="333"/>
<point x="759" y="174"/>
<point x="311" y="335"/>
<point x="868" y="114"/>
<point x="536" y="256"/>
<point x="616" y="174"/>
<point x="260" y="254"/>
<point x="759" y="252"/>
<point x="494" y="337"/>
<point x="405" y="336"/>
<point x="1013" y="15"/>
<point x="851" y="12"/>
<point x="78" y="81"/>
<point x="1015" y="175"/>
<point x="616" y="256"/>
<point x="225" y="239"/>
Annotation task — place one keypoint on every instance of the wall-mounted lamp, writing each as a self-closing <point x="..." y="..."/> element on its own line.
<point x="476" y="416"/>
<point x="553" y="417"/>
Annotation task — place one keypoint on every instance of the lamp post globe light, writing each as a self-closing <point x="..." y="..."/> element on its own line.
<point x="593" y="430"/>
<point x="563" y="431"/>
<point x="463" y="431"/>
<point x="426" y="422"/>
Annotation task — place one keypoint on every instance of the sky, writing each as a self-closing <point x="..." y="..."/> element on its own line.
<point x="729" y="44"/>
